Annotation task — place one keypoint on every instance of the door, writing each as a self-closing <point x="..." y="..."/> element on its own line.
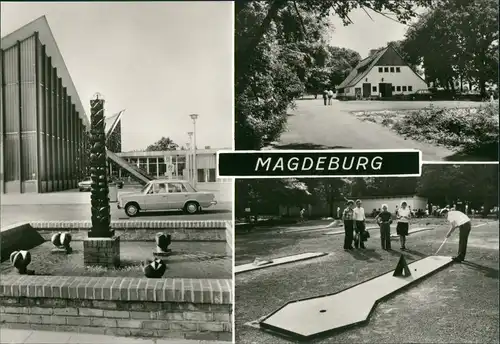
<point x="177" y="195"/>
<point x="157" y="198"/>
<point x="385" y="89"/>
<point x="367" y="90"/>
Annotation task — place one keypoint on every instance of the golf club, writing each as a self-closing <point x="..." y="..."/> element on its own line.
<point x="444" y="241"/>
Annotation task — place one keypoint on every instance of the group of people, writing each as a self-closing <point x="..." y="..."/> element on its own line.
<point x="327" y="97"/>
<point x="354" y="219"/>
<point x="355" y="229"/>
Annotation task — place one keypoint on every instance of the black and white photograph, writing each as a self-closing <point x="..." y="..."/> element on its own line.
<point x="111" y="209"/>
<point x="361" y="74"/>
<point x="369" y="260"/>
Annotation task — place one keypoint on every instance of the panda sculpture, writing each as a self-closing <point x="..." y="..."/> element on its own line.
<point x="62" y="241"/>
<point x="162" y="242"/>
<point x="154" y="269"/>
<point x="20" y="260"/>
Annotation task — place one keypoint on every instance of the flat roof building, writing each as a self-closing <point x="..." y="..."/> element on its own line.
<point x="43" y="121"/>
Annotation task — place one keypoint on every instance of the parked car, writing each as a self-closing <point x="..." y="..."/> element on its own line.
<point x="165" y="194"/>
<point x="422" y="95"/>
<point x="85" y="185"/>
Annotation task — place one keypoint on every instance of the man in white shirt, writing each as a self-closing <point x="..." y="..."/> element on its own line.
<point x="459" y="220"/>
<point x="359" y="224"/>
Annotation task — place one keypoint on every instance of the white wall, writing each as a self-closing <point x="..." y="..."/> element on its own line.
<point x="223" y="190"/>
<point x="414" y="202"/>
<point x="405" y="78"/>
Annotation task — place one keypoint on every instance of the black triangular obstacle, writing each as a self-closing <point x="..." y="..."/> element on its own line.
<point x="402" y="269"/>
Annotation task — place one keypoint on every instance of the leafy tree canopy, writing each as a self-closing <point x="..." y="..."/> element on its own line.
<point x="163" y="144"/>
<point x="440" y="184"/>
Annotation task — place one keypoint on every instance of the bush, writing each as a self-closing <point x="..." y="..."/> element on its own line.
<point x="472" y="129"/>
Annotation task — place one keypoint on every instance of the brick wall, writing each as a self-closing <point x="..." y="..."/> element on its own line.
<point x="174" y="308"/>
<point x="140" y="230"/>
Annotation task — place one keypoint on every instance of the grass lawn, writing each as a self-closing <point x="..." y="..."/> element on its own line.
<point x="457" y="305"/>
<point x="469" y="129"/>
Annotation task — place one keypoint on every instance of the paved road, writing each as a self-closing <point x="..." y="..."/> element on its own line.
<point x="428" y="312"/>
<point x="315" y="126"/>
<point x="11" y="214"/>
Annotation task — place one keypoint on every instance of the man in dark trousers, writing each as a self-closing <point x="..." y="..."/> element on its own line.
<point x="348" y="218"/>
<point x="325" y="97"/>
<point x="459" y="220"/>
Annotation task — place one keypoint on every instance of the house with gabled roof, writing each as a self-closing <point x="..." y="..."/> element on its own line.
<point x="382" y="74"/>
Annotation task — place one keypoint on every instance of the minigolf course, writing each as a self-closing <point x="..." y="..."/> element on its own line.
<point x="317" y="316"/>
<point x="258" y="264"/>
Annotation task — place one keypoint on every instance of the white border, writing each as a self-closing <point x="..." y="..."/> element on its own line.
<point x="459" y="163"/>
<point x="326" y="151"/>
<point x="233" y="182"/>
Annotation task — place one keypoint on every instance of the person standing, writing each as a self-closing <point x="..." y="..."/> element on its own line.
<point x="302" y="212"/>
<point x="403" y="216"/>
<point x="359" y="225"/>
<point x="348" y="218"/>
<point x="325" y="97"/>
<point x="384" y="220"/>
<point x="460" y="205"/>
<point x="459" y="220"/>
<point x="330" y="97"/>
<point x="338" y="213"/>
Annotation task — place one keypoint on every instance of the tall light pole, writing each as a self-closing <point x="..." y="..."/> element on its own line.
<point x="194" y="117"/>
<point x="189" y="156"/>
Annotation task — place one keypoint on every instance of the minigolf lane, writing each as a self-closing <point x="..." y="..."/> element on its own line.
<point x="277" y="261"/>
<point x="348" y="307"/>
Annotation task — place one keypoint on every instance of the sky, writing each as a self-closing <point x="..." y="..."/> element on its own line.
<point x="161" y="61"/>
<point x="365" y="34"/>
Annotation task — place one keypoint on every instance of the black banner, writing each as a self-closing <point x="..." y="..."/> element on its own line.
<point x="280" y="163"/>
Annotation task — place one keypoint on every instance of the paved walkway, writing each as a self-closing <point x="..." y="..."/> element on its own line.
<point x="315" y="126"/>
<point x="12" y="336"/>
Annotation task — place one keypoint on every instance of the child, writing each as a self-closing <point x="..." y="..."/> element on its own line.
<point x="459" y="220"/>
<point x="384" y="219"/>
<point x="403" y="216"/>
<point x="302" y="212"/>
<point x="348" y="217"/>
<point x="359" y="225"/>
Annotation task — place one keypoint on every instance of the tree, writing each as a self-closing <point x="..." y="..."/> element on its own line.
<point x="163" y="144"/>
<point x="264" y="196"/>
<point x="277" y="46"/>
<point x="460" y="40"/>
<point x="443" y="184"/>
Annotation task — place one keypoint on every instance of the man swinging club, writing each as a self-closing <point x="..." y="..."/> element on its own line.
<point x="461" y="221"/>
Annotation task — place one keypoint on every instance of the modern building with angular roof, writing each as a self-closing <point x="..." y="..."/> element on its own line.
<point x="43" y="121"/>
<point x="383" y="74"/>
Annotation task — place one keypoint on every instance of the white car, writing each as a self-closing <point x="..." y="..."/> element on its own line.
<point x="168" y="194"/>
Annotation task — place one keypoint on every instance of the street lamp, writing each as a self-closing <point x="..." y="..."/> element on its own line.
<point x="189" y="156"/>
<point x="194" y="117"/>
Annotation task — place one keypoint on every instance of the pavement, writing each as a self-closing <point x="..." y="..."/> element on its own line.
<point x="315" y="126"/>
<point x="13" y="336"/>
<point x="74" y="205"/>
<point x="456" y="305"/>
